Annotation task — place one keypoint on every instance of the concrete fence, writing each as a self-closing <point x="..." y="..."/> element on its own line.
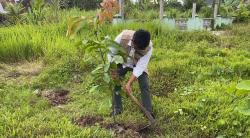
<point x="189" y="23"/>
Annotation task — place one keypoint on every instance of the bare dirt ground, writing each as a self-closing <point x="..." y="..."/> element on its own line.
<point x="55" y="97"/>
<point x="18" y="73"/>
<point x="119" y="129"/>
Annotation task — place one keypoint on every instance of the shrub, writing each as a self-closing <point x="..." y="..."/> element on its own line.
<point x="173" y="13"/>
<point x="188" y="4"/>
<point x="206" y="12"/>
<point x="242" y="14"/>
<point x="15" y="13"/>
<point x="226" y="10"/>
<point x="174" y="5"/>
<point x="83" y="4"/>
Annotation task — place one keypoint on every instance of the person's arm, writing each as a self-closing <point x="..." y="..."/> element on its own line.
<point x="128" y="85"/>
<point x="138" y="70"/>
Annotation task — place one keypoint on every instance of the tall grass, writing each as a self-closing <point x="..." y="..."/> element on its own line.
<point x="27" y="42"/>
<point x="190" y="73"/>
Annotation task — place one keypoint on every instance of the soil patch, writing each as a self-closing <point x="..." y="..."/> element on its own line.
<point x="14" y="74"/>
<point x="56" y="97"/>
<point x="127" y="130"/>
<point x="88" y="120"/>
<point x="25" y="69"/>
<point x="120" y="129"/>
<point x="132" y="130"/>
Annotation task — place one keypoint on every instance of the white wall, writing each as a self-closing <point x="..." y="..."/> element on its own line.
<point x="1" y="9"/>
<point x="134" y="1"/>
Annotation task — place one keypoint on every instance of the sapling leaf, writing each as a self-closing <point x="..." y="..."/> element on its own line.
<point x="117" y="46"/>
<point x="113" y="65"/>
<point x="118" y="59"/>
<point x="106" y="67"/>
<point x="106" y="78"/>
<point x="244" y="85"/>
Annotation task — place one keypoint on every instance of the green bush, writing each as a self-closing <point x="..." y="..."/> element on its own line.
<point x="226" y="10"/>
<point x="83" y="4"/>
<point x="205" y="12"/>
<point x="15" y="13"/>
<point x="242" y="14"/>
<point x="173" y="4"/>
<point x="188" y="4"/>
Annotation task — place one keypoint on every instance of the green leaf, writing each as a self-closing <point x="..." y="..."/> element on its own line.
<point x="106" y="78"/>
<point x="113" y="65"/>
<point x="244" y="85"/>
<point x="90" y="48"/>
<point x="241" y="92"/>
<point x="245" y="108"/>
<point x="117" y="46"/>
<point x="94" y="88"/>
<point x="74" y="25"/>
<point x="118" y="59"/>
<point x="96" y="70"/>
<point x="106" y="67"/>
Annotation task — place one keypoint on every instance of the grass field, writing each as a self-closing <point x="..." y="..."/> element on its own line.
<point x="45" y="84"/>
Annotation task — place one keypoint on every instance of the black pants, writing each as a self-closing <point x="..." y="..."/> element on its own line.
<point x="144" y="87"/>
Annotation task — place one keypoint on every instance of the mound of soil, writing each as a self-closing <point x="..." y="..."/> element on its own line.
<point x="56" y="97"/>
<point x="120" y="130"/>
<point x="127" y="130"/>
<point x="88" y="120"/>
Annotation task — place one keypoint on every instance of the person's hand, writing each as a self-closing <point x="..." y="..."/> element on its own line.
<point x="127" y="88"/>
<point x="114" y="74"/>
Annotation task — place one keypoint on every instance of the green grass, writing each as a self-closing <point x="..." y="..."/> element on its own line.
<point x="190" y="73"/>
